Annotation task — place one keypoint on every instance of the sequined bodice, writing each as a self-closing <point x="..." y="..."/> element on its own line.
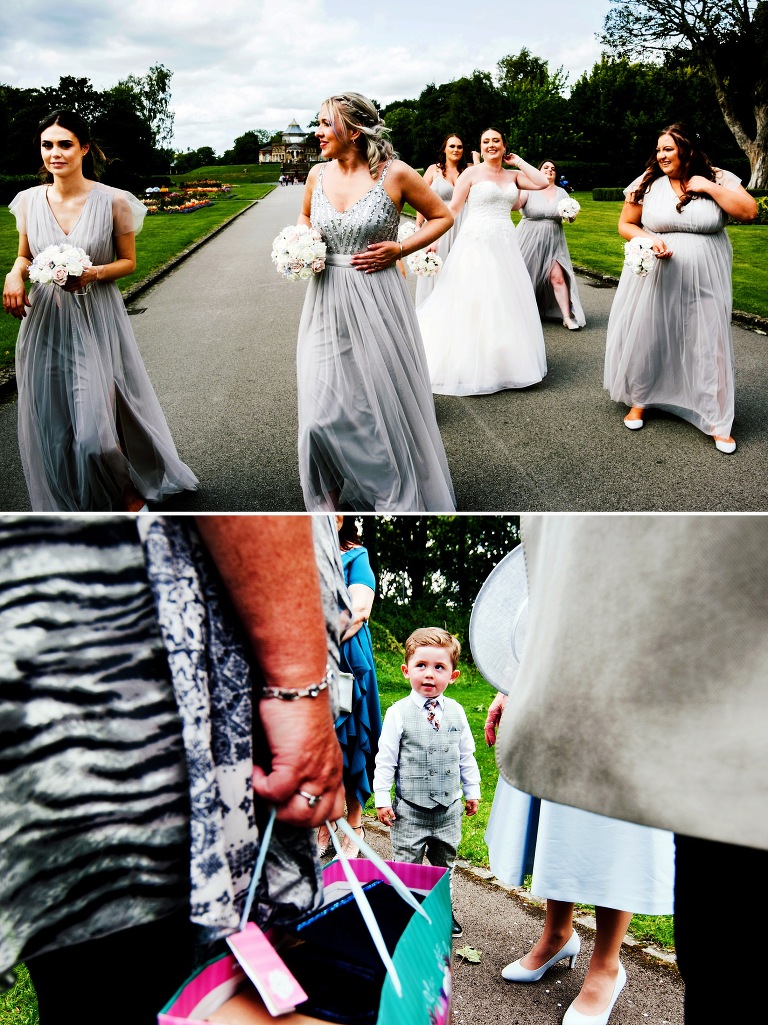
<point x="373" y="218"/>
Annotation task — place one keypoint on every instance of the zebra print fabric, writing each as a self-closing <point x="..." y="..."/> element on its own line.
<point x="93" y="793"/>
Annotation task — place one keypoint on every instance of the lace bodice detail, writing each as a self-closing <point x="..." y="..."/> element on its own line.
<point x="489" y="208"/>
<point x="373" y="218"/>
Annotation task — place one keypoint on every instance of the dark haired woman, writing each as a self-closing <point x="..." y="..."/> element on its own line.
<point x="368" y="435"/>
<point x="441" y="178"/>
<point x="545" y="251"/>
<point x="669" y="342"/>
<point x="480" y="326"/>
<point x="357" y="731"/>
<point x="92" y="435"/>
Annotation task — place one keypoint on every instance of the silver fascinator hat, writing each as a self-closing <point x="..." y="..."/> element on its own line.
<point x="499" y="621"/>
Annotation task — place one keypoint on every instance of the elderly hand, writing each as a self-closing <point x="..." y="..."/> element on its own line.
<point x="493" y="718"/>
<point x="305" y="757"/>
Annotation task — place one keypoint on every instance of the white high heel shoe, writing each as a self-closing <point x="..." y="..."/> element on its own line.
<point x="577" y="1018"/>
<point x="516" y="973"/>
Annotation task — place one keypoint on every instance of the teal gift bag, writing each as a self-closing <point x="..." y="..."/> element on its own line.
<point x="377" y="952"/>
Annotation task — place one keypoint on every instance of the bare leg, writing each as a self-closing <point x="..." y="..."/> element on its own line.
<point x="600" y="979"/>
<point x="558" y="926"/>
<point x="560" y="288"/>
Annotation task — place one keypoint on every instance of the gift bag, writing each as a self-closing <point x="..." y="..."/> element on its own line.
<point x="377" y="952"/>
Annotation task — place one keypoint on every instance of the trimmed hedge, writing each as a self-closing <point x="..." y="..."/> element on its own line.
<point x="608" y="195"/>
<point x="762" y="210"/>
<point x="10" y="184"/>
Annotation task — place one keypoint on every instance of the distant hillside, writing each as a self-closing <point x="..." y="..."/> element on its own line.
<point x="230" y="174"/>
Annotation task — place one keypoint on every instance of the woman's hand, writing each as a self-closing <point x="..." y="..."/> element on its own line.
<point x="660" y="249"/>
<point x="493" y="718"/>
<point x="15" y="298"/>
<point x="305" y="756"/>
<point x="377" y="256"/>
<point x="81" y="282"/>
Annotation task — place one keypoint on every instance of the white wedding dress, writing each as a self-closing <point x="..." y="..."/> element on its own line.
<point x="481" y="326"/>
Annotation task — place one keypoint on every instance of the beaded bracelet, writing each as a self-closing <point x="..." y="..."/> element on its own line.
<point x="312" y="691"/>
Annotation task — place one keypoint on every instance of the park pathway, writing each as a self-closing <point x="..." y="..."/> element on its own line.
<point x="503" y="928"/>
<point x="218" y="335"/>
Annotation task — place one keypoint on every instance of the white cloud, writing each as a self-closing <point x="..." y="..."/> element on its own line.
<point x="240" y="64"/>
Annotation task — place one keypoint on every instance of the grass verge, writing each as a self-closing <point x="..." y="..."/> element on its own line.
<point x="475" y="695"/>
<point x="18" y="1006"/>
<point x="163" y="237"/>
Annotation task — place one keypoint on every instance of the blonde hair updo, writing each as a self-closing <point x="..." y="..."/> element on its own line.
<point x="353" y="112"/>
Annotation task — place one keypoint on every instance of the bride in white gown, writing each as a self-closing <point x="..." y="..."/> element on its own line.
<point x="481" y="326"/>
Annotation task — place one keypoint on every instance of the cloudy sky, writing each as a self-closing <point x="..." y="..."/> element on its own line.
<point x="242" y="64"/>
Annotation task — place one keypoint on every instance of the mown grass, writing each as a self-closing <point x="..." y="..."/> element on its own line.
<point x="18" y="1006"/>
<point x="232" y="174"/>
<point x="163" y="237"/>
<point x="475" y="695"/>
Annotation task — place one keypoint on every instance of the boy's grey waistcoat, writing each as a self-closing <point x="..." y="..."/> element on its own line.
<point x="428" y="773"/>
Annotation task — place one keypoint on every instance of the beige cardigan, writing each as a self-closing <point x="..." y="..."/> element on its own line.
<point x="643" y="689"/>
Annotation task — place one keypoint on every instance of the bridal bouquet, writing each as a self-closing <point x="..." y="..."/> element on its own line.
<point x="567" y="209"/>
<point x="639" y="255"/>
<point x="56" y="263"/>
<point x="298" y="252"/>
<point x="420" y="262"/>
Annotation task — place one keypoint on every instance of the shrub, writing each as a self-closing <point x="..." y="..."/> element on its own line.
<point x="10" y="184"/>
<point x="606" y="195"/>
<point x="762" y="210"/>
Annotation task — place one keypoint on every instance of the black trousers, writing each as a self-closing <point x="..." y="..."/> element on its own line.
<point x="720" y="910"/>
<point x="124" y="978"/>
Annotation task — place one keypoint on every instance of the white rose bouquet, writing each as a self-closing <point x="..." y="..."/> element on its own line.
<point x="639" y="255"/>
<point x="298" y="252"/>
<point x="420" y="262"/>
<point x="568" y="208"/>
<point x="55" y="264"/>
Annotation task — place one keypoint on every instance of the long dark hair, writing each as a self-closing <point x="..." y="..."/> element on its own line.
<point x="349" y="536"/>
<point x="693" y="160"/>
<point x="441" y="159"/>
<point x="94" y="160"/>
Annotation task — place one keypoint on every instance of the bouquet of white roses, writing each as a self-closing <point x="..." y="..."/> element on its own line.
<point x="56" y="263"/>
<point x="424" y="262"/>
<point x="420" y="262"/>
<point x="568" y="208"/>
<point x="639" y="255"/>
<point x="298" y="252"/>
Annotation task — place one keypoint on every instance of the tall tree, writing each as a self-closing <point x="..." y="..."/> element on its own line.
<point x="726" y="39"/>
<point x="153" y="96"/>
<point x="537" y="110"/>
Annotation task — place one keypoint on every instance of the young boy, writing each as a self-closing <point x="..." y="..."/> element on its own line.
<point x="427" y="748"/>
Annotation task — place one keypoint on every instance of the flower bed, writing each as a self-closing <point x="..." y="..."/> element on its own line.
<point x="164" y="202"/>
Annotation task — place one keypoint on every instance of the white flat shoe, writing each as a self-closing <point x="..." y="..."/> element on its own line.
<point x="577" y="1018"/>
<point x="725" y="446"/>
<point x="516" y="973"/>
<point x="633" y="425"/>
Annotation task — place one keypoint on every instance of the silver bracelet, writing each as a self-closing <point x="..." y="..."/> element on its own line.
<point x="312" y="691"/>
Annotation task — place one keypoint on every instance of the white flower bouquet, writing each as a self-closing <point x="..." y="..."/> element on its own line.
<point x="568" y="208"/>
<point x="420" y="262"/>
<point x="55" y="264"/>
<point x="639" y="255"/>
<point x="298" y="252"/>
<point x="423" y="262"/>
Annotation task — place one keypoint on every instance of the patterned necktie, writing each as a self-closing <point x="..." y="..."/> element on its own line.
<point x="431" y="706"/>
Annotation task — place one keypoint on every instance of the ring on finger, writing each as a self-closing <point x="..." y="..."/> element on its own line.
<point x="312" y="799"/>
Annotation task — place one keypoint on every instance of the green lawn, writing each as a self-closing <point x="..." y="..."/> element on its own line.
<point x="162" y="238"/>
<point x="475" y="695"/>
<point x="232" y="174"/>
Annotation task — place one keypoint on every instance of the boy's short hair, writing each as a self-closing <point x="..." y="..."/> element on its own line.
<point x="433" y="637"/>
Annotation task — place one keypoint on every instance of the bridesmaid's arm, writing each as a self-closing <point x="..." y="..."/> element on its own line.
<point x="15" y="298"/>
<point x="306" y="204"/>
<point x="630" y="226"/>
<point x="123" y="264"/>
<point x="463" y="185"/>
<point x="429" y="177"/>
<point x="406" y="186"/>
<point x="737" y="203"/>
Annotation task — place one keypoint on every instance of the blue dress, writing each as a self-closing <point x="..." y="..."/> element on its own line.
<point x="358" y="731"/>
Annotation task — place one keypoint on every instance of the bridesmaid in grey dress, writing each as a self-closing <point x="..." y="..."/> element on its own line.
<point x="92" y="435"/>
<point x="368" y="436"/>
<point x="545" y="251"/>
<point x="441" y="178"/>
<point x="669" y="342"/>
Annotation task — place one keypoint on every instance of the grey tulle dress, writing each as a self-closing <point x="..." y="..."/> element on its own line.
<point x="91" y="429"/>
<point x="426" y="282"/>
<point x="542" y="244"/>
<point x="368" y="436"/>
<point x="669" y="343"/>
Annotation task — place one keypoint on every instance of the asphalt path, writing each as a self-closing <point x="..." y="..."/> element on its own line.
<point x="502" y="926"/>
<point x="218" y="336"/>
